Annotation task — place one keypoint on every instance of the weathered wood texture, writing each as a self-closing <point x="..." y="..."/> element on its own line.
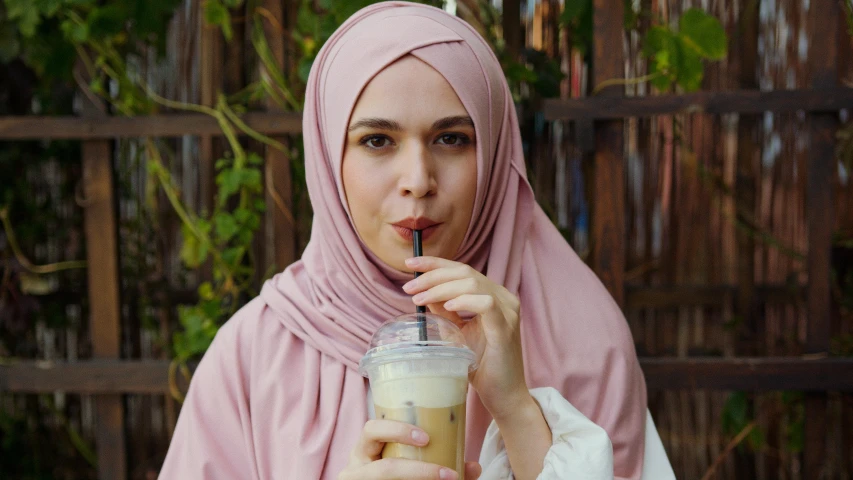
<point x="277" y="163"/>
<point x="708" y="373"/>
<point x="104" y="303"/>
<point x="107" y="127"/>
<point x="752" y="101"/>
<point x="823" y="73"/>
<point x="608" y="190"/>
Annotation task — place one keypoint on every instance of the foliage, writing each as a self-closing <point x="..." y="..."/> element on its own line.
<point x="738" y="415"/>
<point x="315" y="26"/>
<point x="47" y="34"/>
<point x="534" y="75"/>
<point x="577" y="18"/>
<point x="677" y="56"/>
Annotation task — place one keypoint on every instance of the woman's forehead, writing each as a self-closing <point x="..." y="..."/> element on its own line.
<point x="410" y="93"/>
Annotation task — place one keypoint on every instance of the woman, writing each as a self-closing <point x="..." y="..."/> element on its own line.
<point x="409" y="124"/>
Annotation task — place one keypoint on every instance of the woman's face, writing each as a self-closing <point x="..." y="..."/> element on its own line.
<point x="410" y="162"/>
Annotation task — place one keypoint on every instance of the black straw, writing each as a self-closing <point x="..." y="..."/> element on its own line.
<point x="419" y="251"/>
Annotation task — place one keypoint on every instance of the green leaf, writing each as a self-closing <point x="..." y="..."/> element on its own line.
<point x="198" y="334"/>
<point x="229" y="183"/>
<point x="690" y="70"/>
<point x="27" y="15"/>
<point x="108" y="20"/>
<point x="254" y="159"/>
<point x="251" y="179"/>
<point x="10" y="46"/>
<point x="704" y="34"/>
<point x="232" y="255"/>
<point x="734" y="414"/>
<point x="305" y="68"/>
<point x="631" y="18"/>
<point x="577" y="17"/>
<point x="573" y="10"/>
<point x="75" y="32"/>
<point x="215" y="13"/>
<point x="48" y="7"/>
<point x="222" y="163"/>
<point x="205" y="291"/>
<point x="226" y="227"/>
<point x="193" y="252"/>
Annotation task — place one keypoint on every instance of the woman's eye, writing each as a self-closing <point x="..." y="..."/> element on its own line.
<point x="453" y="139"/>
<point x="375" y="141"/>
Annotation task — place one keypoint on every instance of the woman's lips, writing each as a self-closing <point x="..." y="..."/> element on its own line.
<point x="406" y="233"/>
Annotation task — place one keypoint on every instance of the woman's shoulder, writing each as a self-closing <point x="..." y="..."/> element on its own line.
<point x="251" y="328"/>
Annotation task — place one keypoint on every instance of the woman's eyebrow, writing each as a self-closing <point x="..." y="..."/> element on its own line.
<point x="450" y="122"/>
<point x="377" y="124"/>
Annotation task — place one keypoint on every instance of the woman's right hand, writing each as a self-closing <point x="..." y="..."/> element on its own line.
<point x="366" y="462"/>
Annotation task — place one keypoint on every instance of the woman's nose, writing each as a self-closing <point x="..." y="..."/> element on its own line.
<point x="417" y="177"/>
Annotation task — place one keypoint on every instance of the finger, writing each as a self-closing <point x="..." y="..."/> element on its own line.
<point x="377" y="433"/>
<point x="479" y="303"/>
<point x="449" y="290"/>
<point x="425" y="264"/>
<point x="404" y="469"/>
<point x="440" y="275"/>
<point x="438" y="309"/>
<point x="486" y="306"/>
<point x="473" y="470"/>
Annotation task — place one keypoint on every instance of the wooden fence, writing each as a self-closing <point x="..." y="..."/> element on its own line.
<point x="108" y="376"/>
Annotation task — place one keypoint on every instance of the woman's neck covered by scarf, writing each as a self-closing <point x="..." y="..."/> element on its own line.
<point x="339" y="293"/>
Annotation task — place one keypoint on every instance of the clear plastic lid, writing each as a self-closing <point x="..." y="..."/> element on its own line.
<point x="399" y="339"/>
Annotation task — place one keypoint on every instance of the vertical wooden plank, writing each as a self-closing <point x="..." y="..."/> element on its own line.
<point x="511" y="25"/>
<point x="99" y="218"/>
<point x="823" y="42"/>
<point x="210" y="69"/>
<point x="748" y="338"/>
<point x="278" y="175"/>
<point x="746" y="174"/>
<point x="608" y="205"/>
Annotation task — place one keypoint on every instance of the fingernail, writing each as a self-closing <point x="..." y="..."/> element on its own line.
<point x="419" y="297"/>
<point x="447" y="474"/>
<point x="450" y="304"/>
<point x="410" y="285"/>
<point x="413" y="262"/>
<point x="419" y="437"/>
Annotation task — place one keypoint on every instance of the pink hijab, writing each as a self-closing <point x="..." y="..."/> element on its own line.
<point x="278" y="394"/>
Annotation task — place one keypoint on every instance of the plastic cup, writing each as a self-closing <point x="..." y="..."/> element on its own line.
<point x="423" y="383"/>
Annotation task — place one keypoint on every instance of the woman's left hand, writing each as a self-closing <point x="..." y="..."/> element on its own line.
<point x="448" y="287"/>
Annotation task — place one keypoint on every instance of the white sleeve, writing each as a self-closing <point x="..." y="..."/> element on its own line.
<point x="580" y="449"/>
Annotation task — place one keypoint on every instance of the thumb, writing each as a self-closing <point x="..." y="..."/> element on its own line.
<point x="472" y="470"/>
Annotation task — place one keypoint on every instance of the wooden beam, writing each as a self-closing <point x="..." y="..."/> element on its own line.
<point x="711" y="373"/>
<point x="87" y="377"/>
<point x="107" y="127"/>
<point x="828" y="99"/>
<point x="101" y="233"/>
<point x="608" y="190"/>
<point x="673" y="296"/>
<point x="752" y="374"/>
